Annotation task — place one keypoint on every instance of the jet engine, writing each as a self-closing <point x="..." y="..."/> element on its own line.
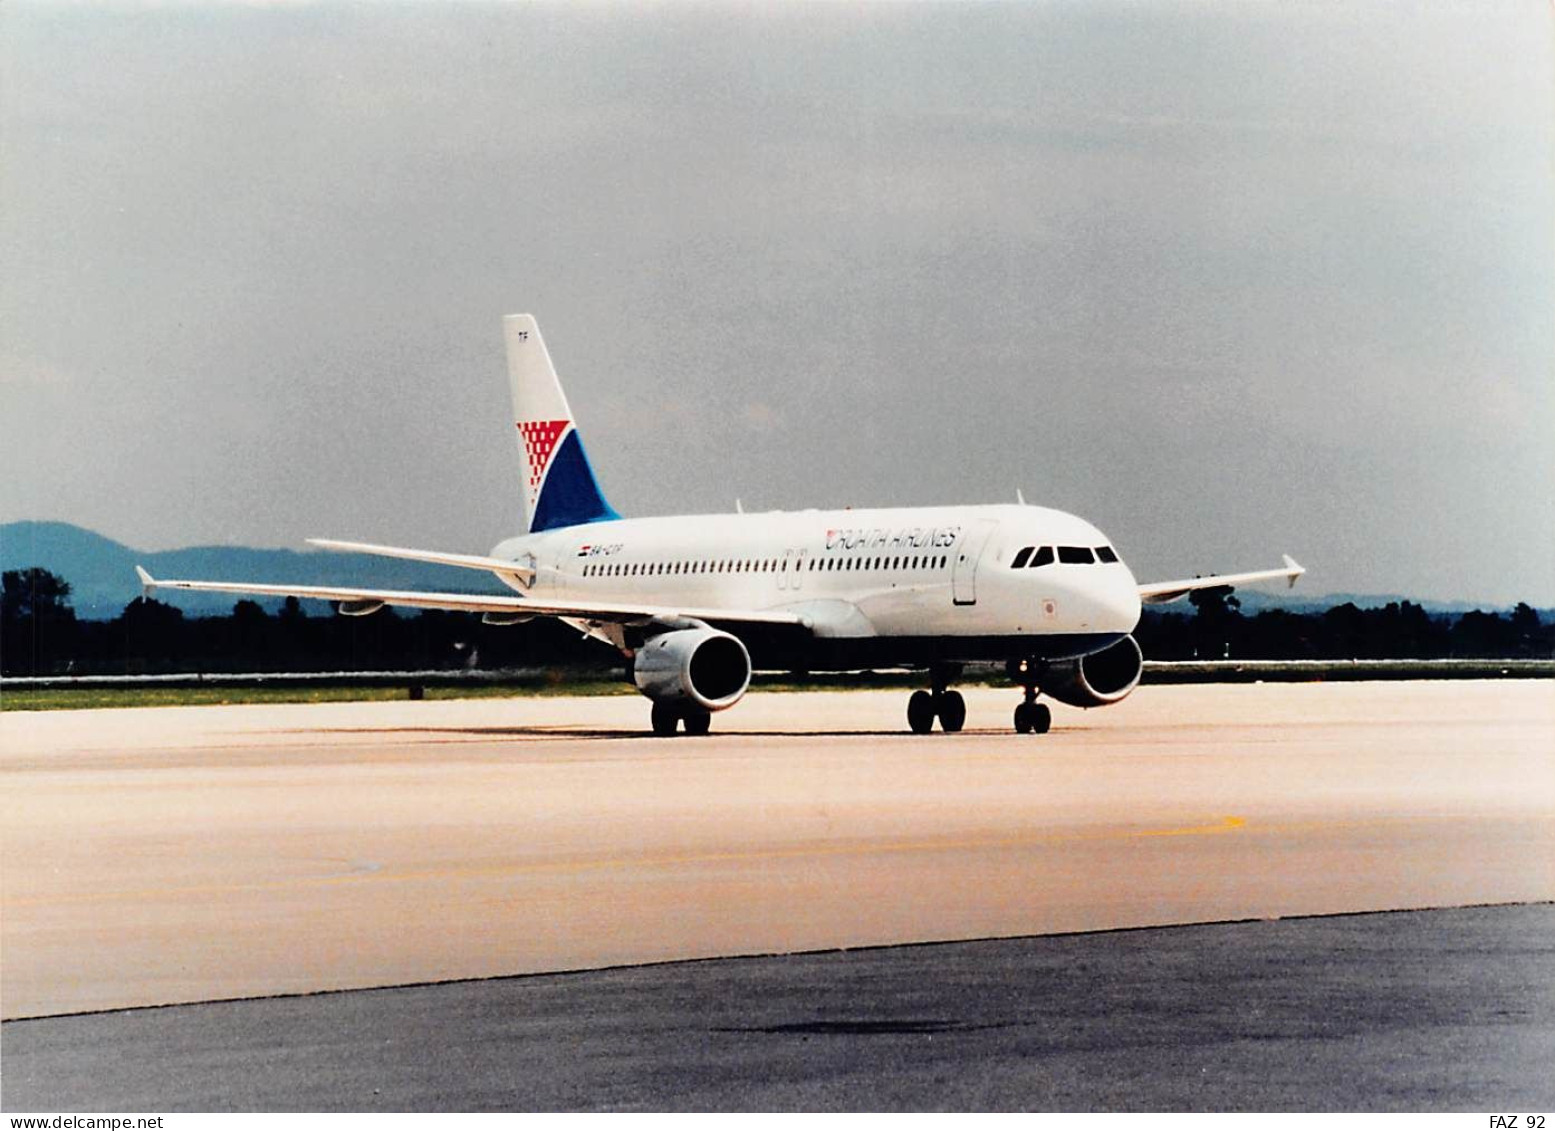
<point x="698" y="665"/>
<point x="1098" y="679"/>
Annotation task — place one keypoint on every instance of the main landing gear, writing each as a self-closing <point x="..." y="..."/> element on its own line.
<point x="1031" y="717"/>
<point x="923" y="707"/>
<point x="668" y="716"/>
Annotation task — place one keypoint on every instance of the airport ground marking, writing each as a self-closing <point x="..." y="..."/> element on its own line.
<point x="1226" y="825"/>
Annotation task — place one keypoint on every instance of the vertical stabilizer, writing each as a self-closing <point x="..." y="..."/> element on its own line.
<point x="559" y="484"/>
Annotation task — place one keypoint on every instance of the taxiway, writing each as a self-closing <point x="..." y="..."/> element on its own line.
<point x="158" y="856"/>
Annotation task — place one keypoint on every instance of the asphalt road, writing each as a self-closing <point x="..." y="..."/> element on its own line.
<point x="176" y="855"/>
<point x="1427" y="1011"/>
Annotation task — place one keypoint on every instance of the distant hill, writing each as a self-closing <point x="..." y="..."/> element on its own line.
<point x="101" y="572"/>
<point x="102" y="579"/>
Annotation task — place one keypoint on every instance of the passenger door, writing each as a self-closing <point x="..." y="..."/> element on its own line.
<point x="963" y="573"/>
<point x="791" y="572"/>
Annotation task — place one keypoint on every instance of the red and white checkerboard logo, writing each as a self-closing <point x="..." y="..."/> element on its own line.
<point x="540" y="439"/>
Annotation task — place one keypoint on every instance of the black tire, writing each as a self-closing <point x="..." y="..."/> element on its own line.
<point x="1041" y="718"/>
<point x="920" y="712"/>
<point x="1023" y="720"/>
<point x="697" y="720"/>
<point x="665" y="718"/>
<point x="952" y="712"/>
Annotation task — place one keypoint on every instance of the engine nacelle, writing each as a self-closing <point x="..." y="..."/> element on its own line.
<point x="359" y="608"/>
<point x="698" y="665"/>
<point x="1098" y="679"/>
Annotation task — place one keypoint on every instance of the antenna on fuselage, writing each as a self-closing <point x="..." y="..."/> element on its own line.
<point x="739" y="507"/>
<point x="1020" y="498"/>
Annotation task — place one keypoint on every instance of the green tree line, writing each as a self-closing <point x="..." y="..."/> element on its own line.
<point x="40" y="635"/>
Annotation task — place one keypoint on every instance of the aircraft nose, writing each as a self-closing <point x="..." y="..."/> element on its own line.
<point x="1117" y="606"/>
<point x="1112" y="607"/>
<point x="1121" y="607"/>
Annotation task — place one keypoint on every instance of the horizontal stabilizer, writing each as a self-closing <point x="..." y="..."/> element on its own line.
<point x="436" y="557"/>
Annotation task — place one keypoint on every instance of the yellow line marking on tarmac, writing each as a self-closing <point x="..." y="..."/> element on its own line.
<point x="1225" y="826"/>
<point x="851" y="848"/>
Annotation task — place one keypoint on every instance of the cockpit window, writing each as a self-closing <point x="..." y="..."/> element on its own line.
<point x="1043" y="557"/>
<point x="1106" y="554"/>
<point x="1020" y="558"/>
<point x="1076" y="555"/>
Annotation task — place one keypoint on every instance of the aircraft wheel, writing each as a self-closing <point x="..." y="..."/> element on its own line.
<point x="952" y="712"/>
<point x="920" y="712"/>
<point x="665" y="718"/>
<point x="1041" y="718"/>
<point x="697" y="720"/>
<point x="1023" y="719"/>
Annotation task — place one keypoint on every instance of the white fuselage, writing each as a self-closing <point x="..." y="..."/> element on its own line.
<point x="898" y="584"/>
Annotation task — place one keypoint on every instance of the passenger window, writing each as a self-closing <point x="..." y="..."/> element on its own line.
<point x="1076" y="555"/>
<point x="1022" y="558"/>
<point x="1043" y="557"/>
<point x="1106" y="554"/>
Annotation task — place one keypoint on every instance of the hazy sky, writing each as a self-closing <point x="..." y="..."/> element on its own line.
<point x="1230" y="280"/>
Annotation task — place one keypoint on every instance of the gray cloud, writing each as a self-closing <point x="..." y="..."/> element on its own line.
<point x="1229" y="280"/>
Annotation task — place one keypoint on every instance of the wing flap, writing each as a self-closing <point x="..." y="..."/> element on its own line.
<point x="1162" y="592"/>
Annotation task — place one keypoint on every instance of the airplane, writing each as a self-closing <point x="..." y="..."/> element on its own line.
<point x="696" y="603"/>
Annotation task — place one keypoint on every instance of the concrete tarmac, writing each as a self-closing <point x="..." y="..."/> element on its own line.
<point x="181" y="855"/>
<point x="1409" y="1011"/>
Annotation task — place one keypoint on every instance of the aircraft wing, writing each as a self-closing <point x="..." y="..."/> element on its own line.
<point x="368" y="600"/>
<point x="1160" y="592"/>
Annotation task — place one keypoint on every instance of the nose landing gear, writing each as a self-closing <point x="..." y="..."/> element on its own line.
<point x="1031" y="717"/>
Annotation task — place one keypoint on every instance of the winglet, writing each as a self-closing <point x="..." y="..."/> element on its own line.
<point x="1294" y="570"/>
<point x="148" y="584"/>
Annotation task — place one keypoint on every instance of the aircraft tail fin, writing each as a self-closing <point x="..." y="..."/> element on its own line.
<point x="559" y="484"/>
